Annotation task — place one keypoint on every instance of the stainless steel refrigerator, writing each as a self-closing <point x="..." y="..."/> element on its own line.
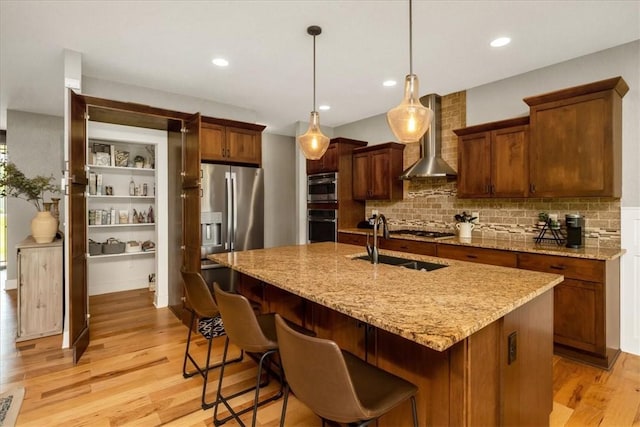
<point x="231" y="217"/>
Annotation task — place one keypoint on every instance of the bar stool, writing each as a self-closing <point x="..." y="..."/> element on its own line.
<point x="253" y="334"/>
<point x="336" y="385"/>
<point x="209" y="325"/>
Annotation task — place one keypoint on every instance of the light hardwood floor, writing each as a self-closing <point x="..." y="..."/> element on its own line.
<point x="131" y="375"/>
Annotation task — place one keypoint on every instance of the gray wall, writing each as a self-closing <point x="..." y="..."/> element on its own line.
<point x="374" y="130"/>
<point x="278" y="162"/>
<point x="503" y="99"/>
<point x="35" y="145"/>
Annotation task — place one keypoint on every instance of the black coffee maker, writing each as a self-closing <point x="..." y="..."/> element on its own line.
<point x="575" y="230"/>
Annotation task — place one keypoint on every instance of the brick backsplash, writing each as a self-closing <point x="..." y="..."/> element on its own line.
<point x="432" y="203"/>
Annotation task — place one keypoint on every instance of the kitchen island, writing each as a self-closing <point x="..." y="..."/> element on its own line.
<point x="476" y="339"/>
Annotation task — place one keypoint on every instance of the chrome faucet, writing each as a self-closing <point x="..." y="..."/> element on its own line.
<point x="372" y="251"/>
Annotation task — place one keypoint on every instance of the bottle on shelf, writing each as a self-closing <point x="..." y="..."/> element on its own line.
<point x="132" y="188"/>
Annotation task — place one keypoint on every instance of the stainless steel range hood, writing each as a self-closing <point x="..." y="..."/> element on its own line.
<point x="431" y="164"/>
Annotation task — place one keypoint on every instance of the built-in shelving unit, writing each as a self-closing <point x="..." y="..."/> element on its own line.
<point x="121" y="205"/>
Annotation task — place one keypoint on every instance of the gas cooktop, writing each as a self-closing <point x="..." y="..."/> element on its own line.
<point x="425" y="233"/>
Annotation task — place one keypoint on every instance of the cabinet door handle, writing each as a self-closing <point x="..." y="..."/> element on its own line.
<point x="487" y="189"/>
<point x="472" y="256"/>
<point x="532" y="188"/>
<point x="557" y="267"/>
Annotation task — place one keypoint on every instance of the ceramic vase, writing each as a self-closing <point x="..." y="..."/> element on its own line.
<point x="44" y="227"/>
<point x="464" y="229"/>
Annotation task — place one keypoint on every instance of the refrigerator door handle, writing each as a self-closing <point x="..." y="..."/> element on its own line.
<point x="228" y="189"/>
<point x="234" y="196"/>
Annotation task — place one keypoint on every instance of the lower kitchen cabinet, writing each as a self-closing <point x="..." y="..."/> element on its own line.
<point x="40" y="294"/>
<point x="480" y="255"/>
<point x="586" y="306"/>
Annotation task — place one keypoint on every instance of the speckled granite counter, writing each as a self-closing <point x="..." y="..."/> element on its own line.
<point x="603" y="254"/>
<point x="436" y="309"/>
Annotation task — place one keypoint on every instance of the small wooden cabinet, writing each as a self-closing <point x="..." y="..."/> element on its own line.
<point x="39" y="289"/>
<point x="233" y="142"/>
<point x="493" y="159"/>
<point x="576" y="141"/>
<point x="376" y="170"/>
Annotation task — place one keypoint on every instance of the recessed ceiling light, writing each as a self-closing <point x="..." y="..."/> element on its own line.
<point x="389" y="83"/>
<point x="324" y="107"/>
<point x="220" y="62"/>
<point x="500" y="41"/>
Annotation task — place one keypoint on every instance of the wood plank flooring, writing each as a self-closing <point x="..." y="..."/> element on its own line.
<point x="131" y="375"/>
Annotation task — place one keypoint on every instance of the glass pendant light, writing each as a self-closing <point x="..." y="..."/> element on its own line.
<point x="410" y="120"/>
<point x="314" y="143"/>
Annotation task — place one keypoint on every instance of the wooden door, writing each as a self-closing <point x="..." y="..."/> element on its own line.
<point x="77" y="239"/>
<point x="212" y="142"/>
<point x="380" y="175"/>
<point x="191" y="193"/>
<point x="510" y="162"/>
<point x="474" y="165"/>
<point x="244" y="146"/>
<point x="361" y="176"/>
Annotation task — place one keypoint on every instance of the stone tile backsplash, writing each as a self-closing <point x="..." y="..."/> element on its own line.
<point x="432" y="203"/>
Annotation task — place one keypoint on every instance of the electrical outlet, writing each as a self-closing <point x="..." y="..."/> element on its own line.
<point x="374" y="212"/>
<point x="512" y="347"/>
<point x="476" y="215"/>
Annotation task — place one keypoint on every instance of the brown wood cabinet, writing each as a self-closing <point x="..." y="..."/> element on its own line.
<point x="327" y="163"/>
<point x="493" y="159"/>
<point x="576" y="141"/>
<point x="376" y="170"/>
<point x="231" y="142"/>
<point x="479" y="255"/>
<point x="586" y="306"/>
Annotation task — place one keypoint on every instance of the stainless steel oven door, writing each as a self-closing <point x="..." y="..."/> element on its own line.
<point x="323" y="225"/>
<point x="322" y="187"/>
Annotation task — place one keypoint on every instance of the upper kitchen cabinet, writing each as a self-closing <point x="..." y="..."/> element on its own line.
<point x="493" y="159"/>
<point x="376" y="172"/>
<point x="331" y="160"/>
<point x="327" y="163"/>
<point x="229" y="141"/>
<point x="576" y="141"/>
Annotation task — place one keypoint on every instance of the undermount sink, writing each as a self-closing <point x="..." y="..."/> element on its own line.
<point x="403" y="262"/>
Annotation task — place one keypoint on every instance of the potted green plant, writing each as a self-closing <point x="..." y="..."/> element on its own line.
<point x="14" y="183"/>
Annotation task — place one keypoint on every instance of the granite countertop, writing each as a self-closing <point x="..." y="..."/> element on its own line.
<point x="437" y="308"/>
<point x="603" y="254"/>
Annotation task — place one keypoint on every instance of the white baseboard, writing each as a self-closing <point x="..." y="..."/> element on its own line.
<point x="630" y="281"/>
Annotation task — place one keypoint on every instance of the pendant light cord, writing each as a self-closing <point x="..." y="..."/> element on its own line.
<point x="314" y="74"/>
<point x="410" y="39"/>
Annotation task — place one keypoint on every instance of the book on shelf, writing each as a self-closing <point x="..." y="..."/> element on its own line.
<point x="112" y="153"/>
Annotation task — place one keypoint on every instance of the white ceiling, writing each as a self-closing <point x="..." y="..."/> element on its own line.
<point x="168" y="45"/>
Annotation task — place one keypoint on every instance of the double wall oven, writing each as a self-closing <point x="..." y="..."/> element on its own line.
<point x="322" y="207"/>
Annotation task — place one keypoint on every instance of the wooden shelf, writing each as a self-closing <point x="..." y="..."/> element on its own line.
<point x="143" y="224"/>
<point x="146" y="171"/>
<point x="96" y="196"/>
<point x="121" y="254"/>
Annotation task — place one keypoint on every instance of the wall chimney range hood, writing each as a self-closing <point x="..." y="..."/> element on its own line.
<point x="431" y="165"/>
